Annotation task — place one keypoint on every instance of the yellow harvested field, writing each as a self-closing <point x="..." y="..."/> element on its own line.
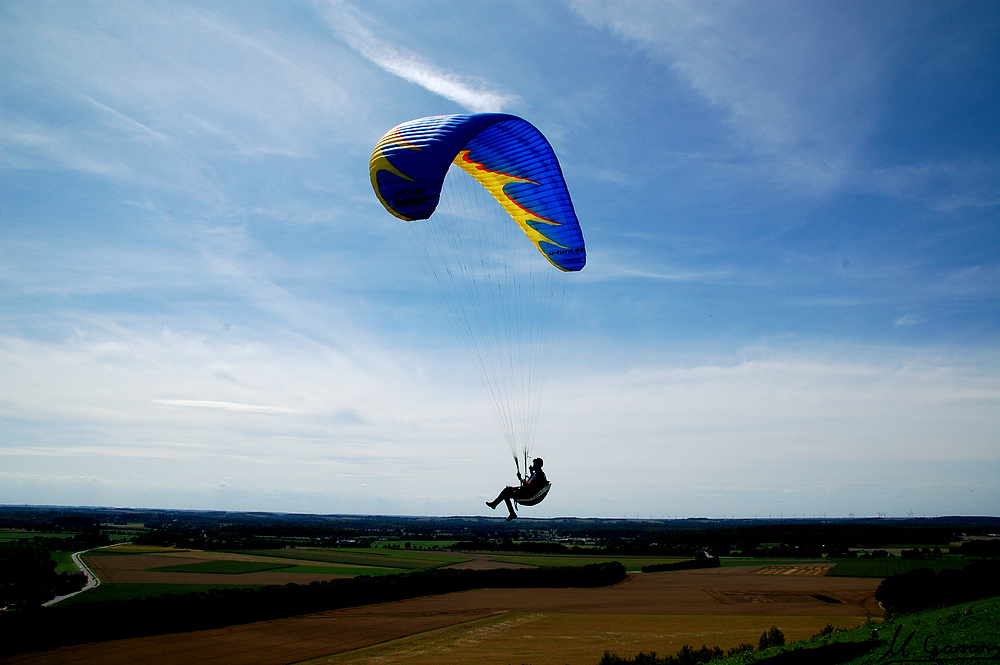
<point x="576" y="639"/>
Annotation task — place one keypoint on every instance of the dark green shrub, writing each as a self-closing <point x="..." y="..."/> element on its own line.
<point x="772" y="638"/>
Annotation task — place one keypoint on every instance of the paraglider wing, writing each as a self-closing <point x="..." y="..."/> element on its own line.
<point x="506" y="154"/>
<point x="505" y="300"/>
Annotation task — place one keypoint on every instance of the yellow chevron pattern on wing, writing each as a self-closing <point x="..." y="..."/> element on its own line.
<point x="494" y="181"/>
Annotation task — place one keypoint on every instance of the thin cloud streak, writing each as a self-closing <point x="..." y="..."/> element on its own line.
<point x="224" y="406"/>
<point x="358" y="31"/>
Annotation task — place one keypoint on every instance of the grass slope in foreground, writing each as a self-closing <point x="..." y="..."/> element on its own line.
<point x="968" y="633"/>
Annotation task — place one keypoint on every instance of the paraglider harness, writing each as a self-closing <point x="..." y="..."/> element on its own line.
<point x="535" y="498"/>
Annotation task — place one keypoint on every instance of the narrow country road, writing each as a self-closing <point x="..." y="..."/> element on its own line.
<point x="92" y="579"/>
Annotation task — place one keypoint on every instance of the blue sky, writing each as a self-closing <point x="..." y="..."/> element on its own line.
<point x="791" y="304"/>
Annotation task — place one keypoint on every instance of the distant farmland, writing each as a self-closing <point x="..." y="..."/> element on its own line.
<point x="648" y="611"/>
<point x="128" y="571"/>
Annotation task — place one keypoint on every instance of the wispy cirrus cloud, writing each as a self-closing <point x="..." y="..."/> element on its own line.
<point x="942" y="186"/>
<point x="223" y="406"/>
<point x="908" y="320"/>
<point x="358" y="31"/>
<point x="753" y="64"/>
<point x="206" y="86"/>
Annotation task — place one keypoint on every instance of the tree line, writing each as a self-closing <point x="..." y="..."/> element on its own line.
<point x="28" y="576"/>
<point x="657" y="536"/>
<point x="923" y="589"/>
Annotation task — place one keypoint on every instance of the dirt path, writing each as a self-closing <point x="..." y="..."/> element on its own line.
<point x="751" y="591"/>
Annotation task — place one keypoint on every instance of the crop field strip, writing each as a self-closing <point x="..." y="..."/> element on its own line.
<point x="398" y="559"/>
<point x="631" y="563"/>
<point x="246" y="567"/>
<point x="200" y="561"/>
<point x="135" y="572"/>
<point x="11" y="535"/>
<point x="222" y="567"/>
<point x="795" y="569"/>
<point x="130" y="549"/>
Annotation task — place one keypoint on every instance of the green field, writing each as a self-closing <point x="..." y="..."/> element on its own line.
<point x="631" y="563"/>
<point x="416" y="544"/>
<point x="64" y="562"/>
<point x="223" y="567"/>
<point x="771" y="562"/>
<point x="635" y="563"/>
<point x="889" y="566"/>
<point x="243" y="567"/>
<point x="377" y="558"/>
<point x="342" y="570"/>
<point x="7" y="535"/>
<point x="120" y="537"/>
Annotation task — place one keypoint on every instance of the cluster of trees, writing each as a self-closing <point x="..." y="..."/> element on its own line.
<point x="796" y="538"/>
<point x="79" y="542"/>
<point x="233" y="530"/>
<point x="102" y="621"/>
<point x="686" y="656"/>
<point x="771" y="638"/>
<point x="508" y="545"/>
<point x="216" y="541"/>
<point x="785" y="551"/>
<point x="980" y="548"/>
<point x="28" y="576"/>
<point x="690" y="656"/>
<point x="828" y="654"/>
<point x="48" y="520"/>
<point x="923" y="589"/>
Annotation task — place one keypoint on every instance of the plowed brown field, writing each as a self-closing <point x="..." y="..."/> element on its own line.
<point x="657" y="611"/>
